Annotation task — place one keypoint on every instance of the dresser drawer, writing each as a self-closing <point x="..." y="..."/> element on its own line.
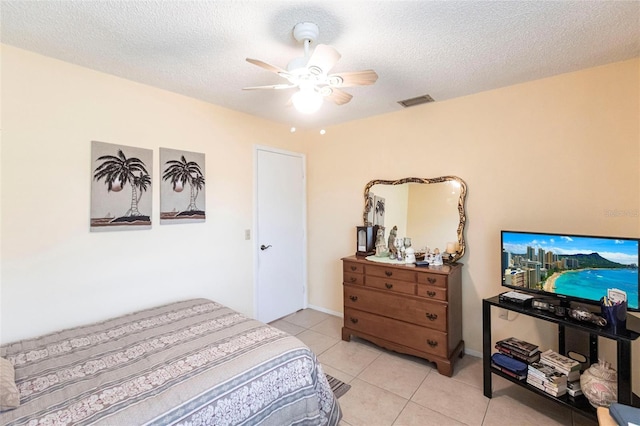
<point x="353" y="267"/>
<point x="349" y="278"/>
<point x="396" y="274"/>
<point x="433" y="279"/>
<point x="412" y="309"/>
<point x="391" y="285"/>
<point x="410" y="335"/>
<point x="431" y="292"/>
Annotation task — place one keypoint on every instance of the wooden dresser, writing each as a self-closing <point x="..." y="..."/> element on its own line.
<point x="404" y="308"/>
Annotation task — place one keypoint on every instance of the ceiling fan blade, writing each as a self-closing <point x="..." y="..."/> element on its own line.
<point x="267" y="66"/>
<point x="339" y="97"/>
<point x="323" y="57"/>
<point x="273" y="86"/>
<point x="355" y="78"/>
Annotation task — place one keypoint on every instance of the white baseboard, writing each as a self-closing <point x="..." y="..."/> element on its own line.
<point x="473" y="353"/>
<point x="326" y="311"/>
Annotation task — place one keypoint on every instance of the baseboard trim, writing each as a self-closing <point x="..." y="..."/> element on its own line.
<point x="326" y="311"/>
<point x="473" y="353"/>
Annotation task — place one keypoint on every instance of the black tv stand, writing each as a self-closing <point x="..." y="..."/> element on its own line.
<point x="564" y="303"/>
<point x="623" y="340"/>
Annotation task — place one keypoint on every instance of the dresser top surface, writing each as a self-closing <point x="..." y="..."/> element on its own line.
<point x="444" y="269"/>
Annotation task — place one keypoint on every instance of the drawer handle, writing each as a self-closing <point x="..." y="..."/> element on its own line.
<point x="431" y="293"/>
<point x="352" y="279"/>
<point x="432" y="280"/>
<point x="353" y="268"/>
<point x="431" y="317"/>
<point x="432" y="343"/>
<point x="353" y="298"/>
<point x="389" y="286"/>
<point x="388" y="273"/>
<point x="354" y="320"/>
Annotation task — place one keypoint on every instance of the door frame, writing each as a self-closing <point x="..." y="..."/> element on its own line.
<point x="256" y="243"/>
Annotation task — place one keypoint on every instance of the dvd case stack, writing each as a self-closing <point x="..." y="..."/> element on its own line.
<point x="519" y="349"/>
<point x="510" y="366"/>
<point x="562" y="364"/>
<point x="547" y="379"/>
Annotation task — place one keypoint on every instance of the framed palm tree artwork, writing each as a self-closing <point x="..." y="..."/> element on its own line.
<point x="182" y="187"/>
<point x="120" y="187"/>
<point x="378" y="208"/>
<point x="370" y="208"/>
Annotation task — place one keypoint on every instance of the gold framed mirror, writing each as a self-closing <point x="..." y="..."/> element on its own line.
<point x="430" y="211"/>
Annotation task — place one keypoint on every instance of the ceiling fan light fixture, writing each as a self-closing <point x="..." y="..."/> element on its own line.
<point x="307" y="100"/>
<point x="310" y="73"/>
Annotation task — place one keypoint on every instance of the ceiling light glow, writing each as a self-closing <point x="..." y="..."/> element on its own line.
<point x="307" y="100"/>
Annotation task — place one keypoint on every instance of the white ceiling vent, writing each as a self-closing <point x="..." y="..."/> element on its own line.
<point x="416" y="101"/>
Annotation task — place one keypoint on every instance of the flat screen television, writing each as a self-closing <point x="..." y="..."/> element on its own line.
<point x="570" y="267"/>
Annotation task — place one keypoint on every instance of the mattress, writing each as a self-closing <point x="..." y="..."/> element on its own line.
<point x="194" y="362"/>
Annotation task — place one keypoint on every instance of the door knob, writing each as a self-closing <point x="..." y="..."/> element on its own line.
<point x="263" y="247"/>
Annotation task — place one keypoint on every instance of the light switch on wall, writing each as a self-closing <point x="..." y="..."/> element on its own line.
<point x="247" y="234"/>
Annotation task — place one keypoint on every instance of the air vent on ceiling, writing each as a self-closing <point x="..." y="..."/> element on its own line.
<point x="416" y="101"/>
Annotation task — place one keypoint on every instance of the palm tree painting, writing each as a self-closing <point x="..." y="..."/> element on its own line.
<point x="115" y="168"/>
<point x="182" y="195"/>
<point x="378" y="206"/>
<point x="371" y="209"/>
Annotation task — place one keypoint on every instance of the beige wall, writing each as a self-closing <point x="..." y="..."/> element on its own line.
<point x="551" y="155"/>
<point x="55" y="273"/>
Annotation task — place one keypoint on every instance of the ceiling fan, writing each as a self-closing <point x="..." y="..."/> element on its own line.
<point x="310" y="73"/>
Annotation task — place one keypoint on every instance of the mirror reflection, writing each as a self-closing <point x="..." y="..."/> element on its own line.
<point x="429" y="211"/>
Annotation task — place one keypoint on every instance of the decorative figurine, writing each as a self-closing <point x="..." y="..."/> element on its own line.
<point x="436" y="259"/>
<point x="400" y="242"/>
<point x="397" y="243"/>
<point x="409" y="252"/>
<point x="381" y="247"/>
<point x="391" y="243"/>
<point x="581" y="314"/>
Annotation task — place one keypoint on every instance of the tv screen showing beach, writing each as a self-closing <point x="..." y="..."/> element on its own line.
<point x="575" y="266"/>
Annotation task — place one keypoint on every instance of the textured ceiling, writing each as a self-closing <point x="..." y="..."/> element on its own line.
<point x="443" y="48"/>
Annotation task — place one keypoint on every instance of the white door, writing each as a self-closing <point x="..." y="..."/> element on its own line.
<point x="280" y="233"/>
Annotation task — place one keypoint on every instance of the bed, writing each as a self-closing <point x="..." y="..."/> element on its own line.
<point x="194" y="362"/>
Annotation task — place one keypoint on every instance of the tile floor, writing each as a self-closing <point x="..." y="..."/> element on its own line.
<point x="393" y="389"/>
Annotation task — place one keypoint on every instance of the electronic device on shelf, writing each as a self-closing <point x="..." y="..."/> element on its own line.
<point x="542" y="304"/>
<point x="570" y="268"/>
<point x="516" y="298"/>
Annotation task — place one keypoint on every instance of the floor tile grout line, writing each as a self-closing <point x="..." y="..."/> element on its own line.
<point x="431" y="408"/>
<point x="400" y="413"/>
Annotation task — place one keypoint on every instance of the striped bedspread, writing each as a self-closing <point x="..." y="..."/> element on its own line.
<point x="194" y="362"/>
